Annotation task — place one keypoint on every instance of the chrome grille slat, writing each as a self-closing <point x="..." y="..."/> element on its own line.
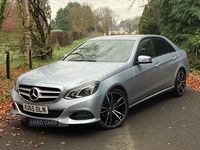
<point x="49" y="92"/>
<point x="25" y="89"/>
<point x="46" y="94"/>
<point x="24" y="93"/>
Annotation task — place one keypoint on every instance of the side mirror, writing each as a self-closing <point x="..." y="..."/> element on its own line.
<point x="142" y="59"/>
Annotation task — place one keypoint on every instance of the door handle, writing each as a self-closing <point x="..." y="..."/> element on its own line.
<point x="174" y="57"/>
<point x="157" y="64"/>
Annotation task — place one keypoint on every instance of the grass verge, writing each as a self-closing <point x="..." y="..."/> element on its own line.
<point x="18" y="68"/>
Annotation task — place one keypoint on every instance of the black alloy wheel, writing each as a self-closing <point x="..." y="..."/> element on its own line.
<point x="180" y="83"/>
<point x="114" y="109"/>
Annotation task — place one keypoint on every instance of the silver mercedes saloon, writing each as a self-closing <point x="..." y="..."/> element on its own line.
<point x="101" y="79"/>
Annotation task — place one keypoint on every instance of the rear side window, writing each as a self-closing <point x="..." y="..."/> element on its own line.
<point x="160" y="46"/>
<point x="171" y="49"/>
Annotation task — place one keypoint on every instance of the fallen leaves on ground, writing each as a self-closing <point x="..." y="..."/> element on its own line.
<point x="194" y="83"/>
<point x="7" y="84"/>
<point x="62" y="142"/>
<point x="5" y="107"/>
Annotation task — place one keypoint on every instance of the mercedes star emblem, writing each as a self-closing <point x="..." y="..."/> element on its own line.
<point x="34" y="94"/>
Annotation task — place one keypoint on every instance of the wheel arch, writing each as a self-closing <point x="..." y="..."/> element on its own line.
<point x="182" y="68"/>
<point x="121" y="88"/>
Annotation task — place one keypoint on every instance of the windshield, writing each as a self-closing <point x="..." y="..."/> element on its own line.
<point x="104" y="51"/>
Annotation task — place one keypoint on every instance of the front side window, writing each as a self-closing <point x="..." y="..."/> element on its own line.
<point x="145" y="48"/>
<point x="160" y="46"/>
<point x="103" y="51"/>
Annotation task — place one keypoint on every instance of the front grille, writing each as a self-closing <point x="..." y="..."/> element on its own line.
<point x="46" y="94"/>
<point x="51" y="114"/>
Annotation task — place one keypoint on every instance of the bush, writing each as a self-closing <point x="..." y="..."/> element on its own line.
<point x="64" y="38"/>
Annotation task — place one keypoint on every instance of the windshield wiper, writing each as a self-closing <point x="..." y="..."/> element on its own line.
<point x="85" y="60"/>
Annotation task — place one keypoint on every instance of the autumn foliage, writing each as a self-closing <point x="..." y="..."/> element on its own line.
<point x="12" y="22"/>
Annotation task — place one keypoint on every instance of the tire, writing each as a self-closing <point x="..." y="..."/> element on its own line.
<point x="114" y="109"/>
<point x="180" y="83"/>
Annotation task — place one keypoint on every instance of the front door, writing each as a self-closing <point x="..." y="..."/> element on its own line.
<point x="146" y="77"/>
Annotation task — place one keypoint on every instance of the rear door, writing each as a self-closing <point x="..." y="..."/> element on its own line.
<point x="169" y="61"/>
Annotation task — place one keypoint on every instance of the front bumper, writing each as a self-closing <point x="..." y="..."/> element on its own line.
<point x="76" y="111"/>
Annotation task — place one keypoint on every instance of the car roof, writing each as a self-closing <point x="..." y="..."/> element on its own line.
<point x="123" y="37"/>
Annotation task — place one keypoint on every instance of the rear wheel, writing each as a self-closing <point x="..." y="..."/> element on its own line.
<point x="114" y="109"/>
<point x="180" y="83"/>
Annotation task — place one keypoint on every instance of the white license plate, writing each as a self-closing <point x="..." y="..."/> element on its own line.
<point x="35" y="108"/>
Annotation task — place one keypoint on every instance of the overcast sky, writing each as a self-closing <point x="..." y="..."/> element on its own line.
<point x="118" y="6"/>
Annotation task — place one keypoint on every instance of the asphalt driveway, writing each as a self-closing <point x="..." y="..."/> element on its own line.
<point x="161" y="123"/>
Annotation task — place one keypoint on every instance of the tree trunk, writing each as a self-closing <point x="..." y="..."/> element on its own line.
<point x="27" y="33"/>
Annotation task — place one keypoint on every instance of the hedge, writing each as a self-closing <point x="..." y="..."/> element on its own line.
<point x="64" y="38"/>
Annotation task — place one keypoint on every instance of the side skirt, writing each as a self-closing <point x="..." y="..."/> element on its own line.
<point x="155" y="94"/>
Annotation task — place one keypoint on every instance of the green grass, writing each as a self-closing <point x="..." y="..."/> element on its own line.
<point x="56" y="30"/>
<point x="58" y="52"/>
<point x="17" y="66"/>
<point x="97" y="34"/>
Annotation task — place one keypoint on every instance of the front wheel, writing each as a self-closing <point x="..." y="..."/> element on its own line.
<point x="114" y="109"/>
<point x="180" y="83"/>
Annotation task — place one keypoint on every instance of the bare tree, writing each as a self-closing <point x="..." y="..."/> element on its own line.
<point x="105" y="17"/>
<point x="41" y="28"/>
<point x="141" y="3"/>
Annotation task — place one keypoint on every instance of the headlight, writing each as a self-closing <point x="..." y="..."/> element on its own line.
<point x="16" y="86"/>
<point x="82" y="91"/>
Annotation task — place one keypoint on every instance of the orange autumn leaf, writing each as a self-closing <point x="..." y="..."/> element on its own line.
<point x="36" y="146"/>
<point x="41" y="143"/>
<point x="40" y="138"/>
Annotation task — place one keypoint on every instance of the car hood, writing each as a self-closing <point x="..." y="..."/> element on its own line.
<point x="73" y="73"/>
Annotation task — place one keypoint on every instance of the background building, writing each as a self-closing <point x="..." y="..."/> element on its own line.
<point x="125" y="27"/>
